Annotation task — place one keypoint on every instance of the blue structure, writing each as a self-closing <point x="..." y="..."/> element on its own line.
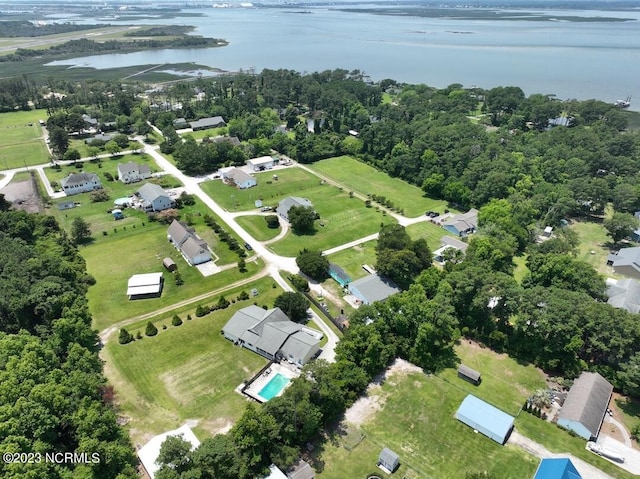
<point x="338" y="274"/>
<point x="485" y="418"/>
<point x="557" y="468"/>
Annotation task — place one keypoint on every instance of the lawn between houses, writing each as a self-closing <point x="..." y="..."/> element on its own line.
<point x="186" y="372"/>
<point x="21" y="140"/>
<point x="365" y="179"/>
<point x="416" y="420"/>
<point x="256" y="226"/>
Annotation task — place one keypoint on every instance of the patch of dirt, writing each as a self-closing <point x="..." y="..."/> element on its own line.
<point x="374" y="399"/>
<point x="218" y="425"/>
<point x="23" y="195"/>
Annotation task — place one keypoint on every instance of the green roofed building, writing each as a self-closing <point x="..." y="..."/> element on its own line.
<point x="340" y="275"/>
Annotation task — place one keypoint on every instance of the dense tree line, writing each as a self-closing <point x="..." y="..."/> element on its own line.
<point x="53" y="396"/>
<point x="24" y="28"/>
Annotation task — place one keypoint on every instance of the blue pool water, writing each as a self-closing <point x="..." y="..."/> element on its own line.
<point x="273" y="387"/>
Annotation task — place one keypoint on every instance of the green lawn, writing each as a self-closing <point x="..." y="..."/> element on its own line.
<point x="102" y="166"/>
<point x="345" y="219"/>
<point x="256" y="226"/>
<point x="185" y="372"/>
<point x="352" y="259"/>
<point x="211" y="132"/>
<point x="83" y="148"/>
<point x="417" y="421"/>
<point x="594" y="245"/>
<point x="429" y="231"/>
<point x="521" y="269"/>
<point x="21" y="140"/>
<point x="365" y="179"/>
<point x="291" y="182"/>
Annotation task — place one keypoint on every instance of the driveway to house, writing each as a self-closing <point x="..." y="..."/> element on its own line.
<point x="586" y="470"/>
<point x="274" y="263"/>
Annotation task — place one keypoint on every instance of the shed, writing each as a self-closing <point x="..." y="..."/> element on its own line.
<point x="66" y="205"/>
<point x="340" y="275"/>
<point x="468" y="374"/>
<point x="261" y="163"/>
<point x="388" y="459"/>
<point x="117" y="214"/>
<point x="557" y="468"/>
<point x="144" y="285"/>
<point x="169" y="264"/>
<point x="485" y="418"/>
<point x="586" y="404"/>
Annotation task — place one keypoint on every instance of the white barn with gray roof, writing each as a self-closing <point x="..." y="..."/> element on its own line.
<point x="271" y="334"/>
<point x="585" y="406"/>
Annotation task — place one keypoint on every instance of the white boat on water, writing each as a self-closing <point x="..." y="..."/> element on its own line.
<point x="623" y="103"/>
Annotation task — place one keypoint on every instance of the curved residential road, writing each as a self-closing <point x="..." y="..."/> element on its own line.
<point x="275" y="264"/>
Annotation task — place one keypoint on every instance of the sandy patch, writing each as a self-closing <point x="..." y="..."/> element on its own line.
<point x="373" y="400"/>
<point x="218" y="425"/>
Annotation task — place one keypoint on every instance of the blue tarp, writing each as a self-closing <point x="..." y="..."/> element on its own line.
<point x="485" y="418"/>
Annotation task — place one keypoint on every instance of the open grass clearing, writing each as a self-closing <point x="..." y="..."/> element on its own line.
<point x="290" y="182"/>
<point x="83" y="147"/>
<point x="352" y="259"/>
<point x="345" y="219"/>
<point x="594" y="246"/>
<point x="415" y="418"/>
<point x="185" y="372"/>
<point x="257" y="227"/>
<point x="21" y="141"/>
<point x="429" y="231"/>
<point x="357" y="176"/>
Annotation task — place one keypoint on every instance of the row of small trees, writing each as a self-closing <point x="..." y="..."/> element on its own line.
<point x="150" y="330"/>
<point x="225" y="237"/>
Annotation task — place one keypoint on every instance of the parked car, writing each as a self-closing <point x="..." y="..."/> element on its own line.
<point x="248" y="246"/>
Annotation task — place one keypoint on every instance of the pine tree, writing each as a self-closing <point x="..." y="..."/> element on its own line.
<point x="176" y="321"/>
<point x="150" y="330"/>
<point x="125" y="337"/>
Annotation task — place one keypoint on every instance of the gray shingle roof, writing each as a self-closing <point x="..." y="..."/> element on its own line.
<point x="375" y="288"/>
<point x="465" y="221"/>
<point x="388" y="456"/>
<point x="192" y="247"/>
<point x="587" y="401"/>
<point x="468" y="372"/>
<point x="209" y="122"/>
<point x="150" y="191"/>
<point x="238" y="176"/>
<point x="78" y="179"/>
<point x="178" y="232"/>
<point x="133" y="167"/>
<point x="626" y="257"/>
<point x="455" y="242"/>
<point x="625" y="294"/>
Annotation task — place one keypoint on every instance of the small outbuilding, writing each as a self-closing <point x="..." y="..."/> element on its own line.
<point x="261" y="163"/>
<point x="557" y="468"/>
<point x="485" y="418"/>
<point x="338" y="274"/>
<point x="470" y="375"/>
<point x="388" y="460"/>
<point x="169" y="264"/>
<point x="147" y="285"/>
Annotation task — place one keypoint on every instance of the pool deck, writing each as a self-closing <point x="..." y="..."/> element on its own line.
<point x="261" y="381"/>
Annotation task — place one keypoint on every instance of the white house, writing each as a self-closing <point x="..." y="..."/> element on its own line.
<point x="76" y="183"/>
<point x="238" y="178"/>
<point x="285" y="205"/>
<point x="193" y="249"/>
<point x="133" y="172"/>
<point x="261" y="163"/>
<point x="154" y="198"/>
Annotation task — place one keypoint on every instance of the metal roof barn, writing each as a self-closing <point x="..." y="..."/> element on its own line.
<point x="485" y="418"/>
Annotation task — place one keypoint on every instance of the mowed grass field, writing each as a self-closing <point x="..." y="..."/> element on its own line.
<point x="188" y="372"/>
<point x="417" y="421"/>
<point x="21" y="141"/>
<point x="357" y="176"/>
<point x="429" y="231"/>
<point x="345" y="219"/>
<point x="593" y="238"/>
<point x="257" y="227"/>
<point x="352" y="259"/>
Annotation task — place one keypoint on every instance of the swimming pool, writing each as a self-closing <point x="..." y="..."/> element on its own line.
<point x="274" y="387"/>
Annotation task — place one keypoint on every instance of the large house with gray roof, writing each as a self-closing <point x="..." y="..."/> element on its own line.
<point x="132" y="172"/>
<point x="206" y="123"/>
<point x="76" y="183"/>
<point x="585" y="406"/>
<point x="154" y="198"/>
<point x="373" y="288"/>
<point x="462" y="224"/>
<point x="238" y="178"/>
<point x="272" y="334"/>
<point x="285" y="205"/>
<point x="624" y="294"/>
<point x="193" y="249"/>
<point x="626" y="262"/>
